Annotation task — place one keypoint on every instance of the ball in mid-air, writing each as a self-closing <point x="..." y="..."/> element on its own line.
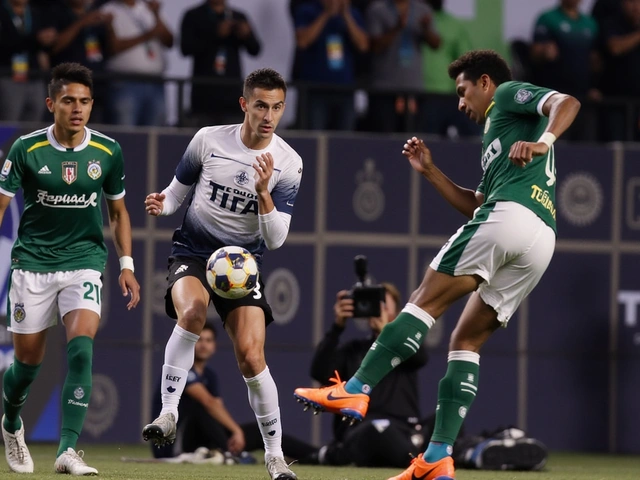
<point x="232" y="272"/>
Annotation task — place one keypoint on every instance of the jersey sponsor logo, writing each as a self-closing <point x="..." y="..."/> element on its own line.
<point x="67" y="201"/>
<point x="491" y="153"/>
<point x="241" y="178"/>
<point x="69" y="172"/>
<point x="543" y="198"/>
<point x="6" y="168"/>
<point x="233" y="199"/>
<point x="523" y="96"/>
<point x="19" y="314"/>
<point x="94" y="170"/>
<point x="44" y="171"/>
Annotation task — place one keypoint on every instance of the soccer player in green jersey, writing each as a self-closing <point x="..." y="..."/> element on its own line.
<point x="59" y="256"/>
<point x="498" y="256"/>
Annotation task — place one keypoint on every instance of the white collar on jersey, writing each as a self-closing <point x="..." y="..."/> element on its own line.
<point x="55" y="144"/>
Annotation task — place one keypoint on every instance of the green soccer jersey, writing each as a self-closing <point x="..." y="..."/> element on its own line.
<point x="516" y="114"/>
<point x="61" y="225"/>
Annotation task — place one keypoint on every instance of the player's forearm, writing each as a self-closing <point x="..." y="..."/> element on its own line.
<point x="274" y="228"/>
<point x="121" y="232"/>
<point x="175" y="193"/>
<point x="562" y="113"/>
<point x="462" y="199"/>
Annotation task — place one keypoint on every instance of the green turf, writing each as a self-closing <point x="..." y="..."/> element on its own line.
<point x="107" y="459"/>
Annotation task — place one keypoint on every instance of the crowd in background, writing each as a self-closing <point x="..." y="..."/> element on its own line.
<point x="397" y="51"/>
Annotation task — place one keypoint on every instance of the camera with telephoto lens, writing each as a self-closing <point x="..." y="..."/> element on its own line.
<point x="366" y="297"/>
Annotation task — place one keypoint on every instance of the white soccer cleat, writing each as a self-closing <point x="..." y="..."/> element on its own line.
<point x="161" y="431"/>
<point x="16" y="451"/>
<point x="71" y="462"/>
<point x="278" y="469"/>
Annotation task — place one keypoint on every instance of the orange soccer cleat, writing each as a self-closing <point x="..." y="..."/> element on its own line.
<point x="334" y="399"/>
<point x="421" y="470"/>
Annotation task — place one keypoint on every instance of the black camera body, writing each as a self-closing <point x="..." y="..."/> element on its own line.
<point x="366" y="297"/>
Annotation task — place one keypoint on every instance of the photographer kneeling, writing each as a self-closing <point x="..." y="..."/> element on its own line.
<point x="392" y="428"/>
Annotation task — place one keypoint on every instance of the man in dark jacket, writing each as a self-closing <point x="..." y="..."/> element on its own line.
<point x="214" y="34"/>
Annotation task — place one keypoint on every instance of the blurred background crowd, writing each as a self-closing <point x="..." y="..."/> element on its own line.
<point x="357" y="65"/>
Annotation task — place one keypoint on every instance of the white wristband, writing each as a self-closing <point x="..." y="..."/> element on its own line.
<point x="126" y="262"/>
<point x="547" y="138"/>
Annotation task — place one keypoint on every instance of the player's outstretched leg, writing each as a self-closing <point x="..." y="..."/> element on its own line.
<point x="72" y="463"/>
<point x="162" y="431"/>
<point x="278" y="469"/>
<point x="334" y="399"/>
<point x="16" y="451"/>
<point x="421" y="470"/>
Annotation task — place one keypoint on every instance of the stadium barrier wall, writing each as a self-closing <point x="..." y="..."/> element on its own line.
<point x="567" y="368"/>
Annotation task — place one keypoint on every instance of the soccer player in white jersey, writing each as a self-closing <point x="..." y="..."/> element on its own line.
<point x="59" y="256"/>
<point x="245" y="179"/>
<point x="498" y="256"/>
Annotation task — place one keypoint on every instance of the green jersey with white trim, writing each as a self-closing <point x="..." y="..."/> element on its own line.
<point x="516" y="114"/>
<point x="61" y="225"/>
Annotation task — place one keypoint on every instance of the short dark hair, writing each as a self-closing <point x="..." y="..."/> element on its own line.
<point x="266" y="78"/>
<point x="211" y="327"/>
<point x="67" y="73"/>
<point x="476" y="63"/>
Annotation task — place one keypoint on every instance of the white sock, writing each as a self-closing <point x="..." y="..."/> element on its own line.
<point x="178" y="360"/>
<point x="263" y="398"/>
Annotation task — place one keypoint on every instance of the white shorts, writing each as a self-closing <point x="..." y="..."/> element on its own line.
<point x="507" y="245"/>
<point x="36" y="299"/>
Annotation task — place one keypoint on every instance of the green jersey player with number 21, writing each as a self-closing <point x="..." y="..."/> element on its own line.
<point x="59" y="256"/>
<point x="498" y="256"/>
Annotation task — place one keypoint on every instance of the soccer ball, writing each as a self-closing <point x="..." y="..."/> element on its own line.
<point x="232" y="272"/>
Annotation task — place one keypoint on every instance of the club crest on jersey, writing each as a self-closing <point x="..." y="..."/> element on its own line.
<point x="523" y="96"/>
<point x="94" y="170"/>
<point x="18" y="312"/>
<point x="69" y="172"/>
<point x="487" y="124"/>
<point x="241" y="178"/>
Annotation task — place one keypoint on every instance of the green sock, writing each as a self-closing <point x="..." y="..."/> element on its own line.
<point x="16" y="383"/>
<point x="76" y="391"/>
<point x="456" y="393"/>
<point x="398" y="341"/>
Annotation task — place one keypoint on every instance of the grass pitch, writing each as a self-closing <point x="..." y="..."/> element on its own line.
<point x="107" y="459"/>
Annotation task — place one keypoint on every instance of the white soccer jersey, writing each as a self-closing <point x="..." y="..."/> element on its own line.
<point x="224" y="207"/>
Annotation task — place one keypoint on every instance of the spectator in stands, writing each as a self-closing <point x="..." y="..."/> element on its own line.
<point x="204" y="421"/>
<point x="440" y="114"/>
<point x="329" y="34"/>
<point x="24" y="35"/>
<point x="137" y="38"/>
<point x="397" y="29"/>
<point x="621" y="75"/>
<point x="82" y="38"/>
<point x="214" y="34"/>
<point x="565" y="57"/>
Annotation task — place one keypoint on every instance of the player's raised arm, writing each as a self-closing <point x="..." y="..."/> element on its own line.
<point x="462" y="199"/>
